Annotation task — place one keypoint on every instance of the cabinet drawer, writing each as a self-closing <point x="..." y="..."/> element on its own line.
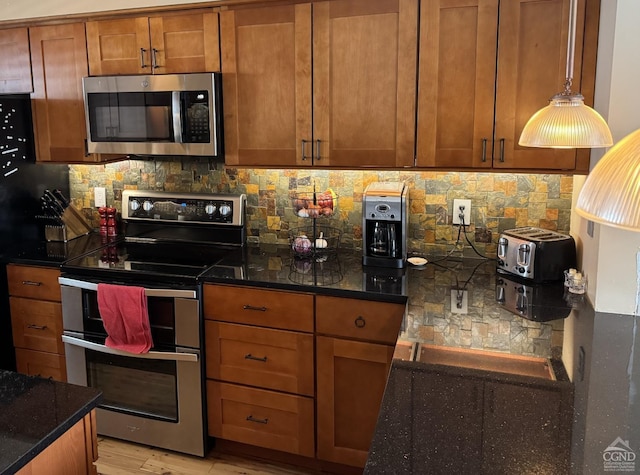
<point x="260" y="417"/>
<point x="38" y="363"/>
<point x="265" y="308"/>
<point x="37" y="324"/>
<point x="34" y="282"/>
<point x="272" y="359"/>
<point x="361" y="319"/>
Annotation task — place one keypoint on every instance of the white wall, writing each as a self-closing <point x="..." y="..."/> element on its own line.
<point x="19" y="9"/>
<point x="611" y="254"/>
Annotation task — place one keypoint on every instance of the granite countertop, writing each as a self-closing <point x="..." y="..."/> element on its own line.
<point x="34" y="412"/>
<point x="52" y="253"/>
<point x="453" y="304"/>
<point x="495" y="314"/>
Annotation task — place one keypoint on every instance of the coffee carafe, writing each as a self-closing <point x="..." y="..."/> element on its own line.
<point x="384" y="225"/>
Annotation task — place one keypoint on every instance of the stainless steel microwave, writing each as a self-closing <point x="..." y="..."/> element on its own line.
<point x="171" y="114"/>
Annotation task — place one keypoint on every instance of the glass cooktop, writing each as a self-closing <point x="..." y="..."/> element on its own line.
<point x="157" y="261"/>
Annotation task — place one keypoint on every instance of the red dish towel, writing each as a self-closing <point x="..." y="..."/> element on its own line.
<point x="124" y="314"/>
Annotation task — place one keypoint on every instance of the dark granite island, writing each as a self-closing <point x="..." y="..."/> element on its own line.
<point x="46" y="426"/>
<point x="476" y="384"/>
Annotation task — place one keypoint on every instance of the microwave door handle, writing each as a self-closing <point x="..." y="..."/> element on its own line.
<point x="152" y="355"/>
<point x="176" y="111"/>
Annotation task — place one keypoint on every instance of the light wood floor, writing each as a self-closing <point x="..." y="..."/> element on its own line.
<point x="116" y="457"/>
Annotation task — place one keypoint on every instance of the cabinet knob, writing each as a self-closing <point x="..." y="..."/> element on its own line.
<point x="360" y="322"/>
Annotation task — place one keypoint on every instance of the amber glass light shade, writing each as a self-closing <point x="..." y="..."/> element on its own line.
<point x="611" y="192"/>
<point x="566" y="123"/>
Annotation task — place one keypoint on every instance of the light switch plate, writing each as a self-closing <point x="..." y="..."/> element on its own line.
<point x="100" y="196"/>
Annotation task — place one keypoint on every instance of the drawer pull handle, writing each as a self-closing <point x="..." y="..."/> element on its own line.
<point x="360" y="322"/>
<point x="142" y="52"/>
<point x="31" y="282"/>
<point x="258" y="421"/>
<point x="255" y="358"/>
<point x="251" y="307"/>
<point x="37" y="327"/>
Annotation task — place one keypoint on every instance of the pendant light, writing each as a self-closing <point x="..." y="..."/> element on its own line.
<point x="567" y="122"/>
<point x="611" y="193"/>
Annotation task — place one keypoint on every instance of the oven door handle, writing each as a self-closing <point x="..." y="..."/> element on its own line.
<point x="172" y="293"/>
<point x="152" y="355"/>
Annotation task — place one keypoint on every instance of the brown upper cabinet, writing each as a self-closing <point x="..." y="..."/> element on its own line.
<point x="15" y="63"/>
<point x="324" y="84"/>
<point x="169" y="43"/>
<point x="474" y="98"/>
<point x="59" y="62"/>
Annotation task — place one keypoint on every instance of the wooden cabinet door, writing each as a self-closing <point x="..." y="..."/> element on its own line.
<point x="185" y="43"/>
<point x="266" y="66"/>
<point x="15" y="64"/>
<point x="364" y="83"/>
<point x="351" y="377"/>
<point x="524" y="422"/>
<point x="59" y="62"/>
<point x="119" y="46"/>
<point x="532" y="52"/>
<point x="448" y="416"/>
<point x="456" y="83"/>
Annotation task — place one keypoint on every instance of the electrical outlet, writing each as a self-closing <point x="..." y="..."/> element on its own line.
<point x="100" y="196"/>
<point x="459" y="301"/>
<point x="466" y="204"/>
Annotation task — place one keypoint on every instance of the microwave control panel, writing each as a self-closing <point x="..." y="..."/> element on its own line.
<point x="196" y="127"/>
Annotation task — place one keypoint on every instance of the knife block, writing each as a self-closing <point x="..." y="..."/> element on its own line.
<point x="72" y="225"/>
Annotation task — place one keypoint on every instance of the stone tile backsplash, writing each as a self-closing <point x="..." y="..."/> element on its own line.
<point x="499" y="200"/>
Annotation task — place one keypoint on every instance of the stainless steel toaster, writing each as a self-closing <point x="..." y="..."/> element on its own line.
<point x="536" y="254"/>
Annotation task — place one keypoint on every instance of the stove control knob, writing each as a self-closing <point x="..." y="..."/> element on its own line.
<point x="147" y="205"/>
<point x="210" y="209"/>
<point x="225" y="209"/>
<point x="134" y="205"/>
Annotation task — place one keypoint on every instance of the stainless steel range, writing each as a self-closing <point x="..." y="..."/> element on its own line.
<point x="154" y="398"/>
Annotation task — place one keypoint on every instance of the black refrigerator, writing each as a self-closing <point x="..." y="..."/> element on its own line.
<point x="22" y="183"/>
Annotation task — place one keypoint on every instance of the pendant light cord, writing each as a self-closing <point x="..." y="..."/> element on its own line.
<point x="571" y="45"/>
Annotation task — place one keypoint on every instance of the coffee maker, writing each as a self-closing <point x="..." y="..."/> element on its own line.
<point x="385" y="223"/>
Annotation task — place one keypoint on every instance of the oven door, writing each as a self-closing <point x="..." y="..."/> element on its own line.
<point x="154" y="398"/>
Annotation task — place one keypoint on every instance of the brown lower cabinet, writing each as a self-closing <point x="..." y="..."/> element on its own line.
<point x="36" y="321"/>
<point x="351" y="381"/>
<point x="486" y="422"/>
<point x="73" y="453"/>
<point x="297" y="373"/>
